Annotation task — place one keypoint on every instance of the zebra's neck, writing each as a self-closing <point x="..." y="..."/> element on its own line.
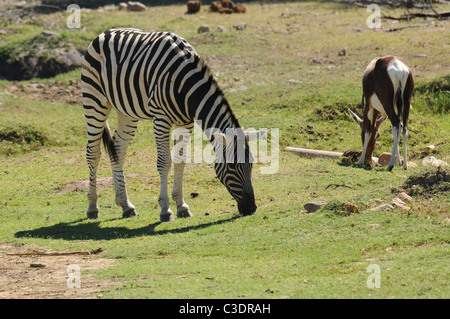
<point x="208" y="105"/>
<point x="218" y="117"/>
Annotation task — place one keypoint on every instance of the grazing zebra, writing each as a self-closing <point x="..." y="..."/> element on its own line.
<point x="159" y="76"/>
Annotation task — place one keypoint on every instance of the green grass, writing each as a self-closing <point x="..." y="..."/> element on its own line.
<point x="271" y="81"/>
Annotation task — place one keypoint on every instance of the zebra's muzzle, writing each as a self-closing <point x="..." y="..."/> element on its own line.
<point x="247" y="205"/>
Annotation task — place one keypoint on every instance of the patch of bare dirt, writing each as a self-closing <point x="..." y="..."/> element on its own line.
<point x="78" y="186"/>
<point x="28" y="272"/>
<point x="432" y="182"/>
<point x="54" y="91"/>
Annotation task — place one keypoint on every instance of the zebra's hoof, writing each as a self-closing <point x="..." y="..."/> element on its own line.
<point x="130" y="213"/>
<point x="166" y="217"/>
<point x="184" y="213"/>
<point x="92" y="215"/>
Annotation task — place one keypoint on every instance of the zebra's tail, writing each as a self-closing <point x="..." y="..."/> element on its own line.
<point x="108" y="142"/>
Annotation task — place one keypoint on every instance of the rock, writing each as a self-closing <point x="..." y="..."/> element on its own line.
<point x="313" y="206"/>
<point x="397" y="202"/>
<point x="50" y="56"/>
<point x="136" y="6"/>
<point x="405" y="197"/>
<point x="203" y="29"/>
<point x="193" y="6"/>
<point x="382" y="208"/>
<point x="351" y="208"/>
<point x="412" y="165"/>
<point x="37" y="265"/>
<point x="384" y="158"/>
<point x="433" y="161"/>
<point x="342" y="52"/>
<point x="123" y="6"/>
<point x="221" y="28"/>
<point x="227" y="6"/>
<point x="241" y="26"/>
<point x="239" y="8"/>
<point x="375" y="202"/>
<point x="109" y="7"/>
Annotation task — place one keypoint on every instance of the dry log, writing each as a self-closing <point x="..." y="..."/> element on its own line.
<point x="305" y="152"/>
<point x="436" y="15"/>
<point x="313" y="153"/>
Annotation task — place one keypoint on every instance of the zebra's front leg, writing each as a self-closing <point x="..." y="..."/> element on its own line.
<point x="126" y="128"/>
<point x="162" y="136"/>
<point x="93" y="152"/>
<point x="182" y="138"/>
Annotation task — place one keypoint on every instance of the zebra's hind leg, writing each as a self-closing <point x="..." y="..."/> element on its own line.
<point x="163" y="163"/>
<point x="182" y="138"/>
<point x="126" y="128"/>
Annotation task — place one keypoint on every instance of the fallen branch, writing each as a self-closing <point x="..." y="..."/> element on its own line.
<point x="436" y="15"/>
<point x="56" y="253"/>
<point x="312" y="153"/>
<point x="405" y="27"/>
<point x="339" y="185"/>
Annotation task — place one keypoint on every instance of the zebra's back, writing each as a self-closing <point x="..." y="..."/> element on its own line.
<point x="133" y="70"/>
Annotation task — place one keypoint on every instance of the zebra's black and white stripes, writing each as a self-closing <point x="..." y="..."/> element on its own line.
<point x="159" y="76"/>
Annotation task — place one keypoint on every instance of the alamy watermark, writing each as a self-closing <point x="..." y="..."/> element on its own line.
<point x="374" y="279"/>
<point x="374" y="20"/>
<point x="233" y="141"/>
<point x="74" y="19"/>
<point x="74" y="279"/>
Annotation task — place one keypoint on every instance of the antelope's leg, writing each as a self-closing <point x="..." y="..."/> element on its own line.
<point x="396" y="134"/>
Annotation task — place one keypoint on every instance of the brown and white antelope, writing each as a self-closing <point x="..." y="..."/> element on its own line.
<point x="387" y="88"/>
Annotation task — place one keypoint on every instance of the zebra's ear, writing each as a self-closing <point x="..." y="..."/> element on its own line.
<point x="254" y="135"/>
<point x="220" y="138"/>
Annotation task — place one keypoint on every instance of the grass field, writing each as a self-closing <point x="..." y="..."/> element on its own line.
<point x="283" y="71"/>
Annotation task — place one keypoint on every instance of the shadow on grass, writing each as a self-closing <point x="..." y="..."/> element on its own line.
<point x="353" y="165"/>
<point x="82" y="230"/>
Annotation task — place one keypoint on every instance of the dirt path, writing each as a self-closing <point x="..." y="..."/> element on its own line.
<point x="45" y="275"/>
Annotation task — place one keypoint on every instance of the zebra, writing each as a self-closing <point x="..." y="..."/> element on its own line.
<point x="159" y="76"/>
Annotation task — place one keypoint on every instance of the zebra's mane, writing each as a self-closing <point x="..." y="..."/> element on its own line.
<point x="204" y="67"/>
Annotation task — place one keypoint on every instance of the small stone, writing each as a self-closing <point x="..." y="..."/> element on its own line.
<point x="405" y="197"/>
<point x="342" y="52"/>
<point x="136" y="6"/>
<point x="351" y="208"/>
<point x="382" y="208"/>
<point x="313" y="206"/>
<point x="397" y="202"/>
<point x="433" y="161"/>
<point x="203" y="29"/>
<point x="37" y="265"/>
<point x="241" y="26"/>
<point x="122" y="6"/>
<point x="384" y="158"/>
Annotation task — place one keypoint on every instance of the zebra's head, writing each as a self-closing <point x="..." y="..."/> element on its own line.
<point x="234" y="162"/>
